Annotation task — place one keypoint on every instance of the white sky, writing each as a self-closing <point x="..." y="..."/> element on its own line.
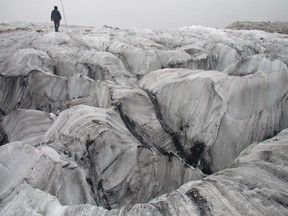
<point x="147" y="13"/>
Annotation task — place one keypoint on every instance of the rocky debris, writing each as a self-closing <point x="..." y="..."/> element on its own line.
<point x="273" y="27"/>
<point x="3" y="137"/>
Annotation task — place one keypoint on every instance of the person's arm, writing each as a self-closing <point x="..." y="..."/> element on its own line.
<point x="52" y="16"/>
<point x="59" y="15"/>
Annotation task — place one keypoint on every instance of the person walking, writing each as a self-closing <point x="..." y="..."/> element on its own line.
<point x="56" y="17"/>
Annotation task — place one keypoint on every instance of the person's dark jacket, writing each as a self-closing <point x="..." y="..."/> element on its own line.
<point x="56" y="16"/>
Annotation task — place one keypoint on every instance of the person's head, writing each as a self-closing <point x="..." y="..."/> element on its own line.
<point x="55" y="7"/>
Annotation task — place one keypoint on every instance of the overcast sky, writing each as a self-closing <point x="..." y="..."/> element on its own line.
<point x="147" y="13"/>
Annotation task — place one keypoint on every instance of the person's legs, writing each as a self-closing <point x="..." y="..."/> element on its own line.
<point x="57" y="24"/>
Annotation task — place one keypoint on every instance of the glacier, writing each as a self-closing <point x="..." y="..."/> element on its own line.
<point x="109" y="121"/>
